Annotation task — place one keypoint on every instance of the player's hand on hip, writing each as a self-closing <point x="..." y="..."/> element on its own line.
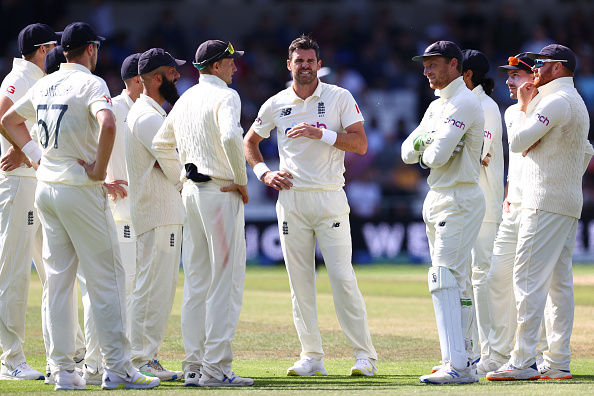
<point x="486" y="160"/>
<point x="241" y="189"/>
<point x="505" y="206"/>
<point x="278" y="180"/>
<point x="13" y="159"/>
<point x="115" y="189"/>
<point x="305" y="130"/>
<point x="92" y="172"/>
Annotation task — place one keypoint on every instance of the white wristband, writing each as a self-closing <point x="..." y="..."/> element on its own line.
<point x="328" y="136"/>
<point x="260" y="169"/>
<point x="32" y="150"/>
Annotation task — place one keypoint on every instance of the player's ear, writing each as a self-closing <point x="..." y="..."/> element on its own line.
<point x="288" y="64"/>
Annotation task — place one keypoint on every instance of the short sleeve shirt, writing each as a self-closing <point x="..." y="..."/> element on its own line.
<point x="313" y="163"/>
<point x="15" y="85"/>
<point x="65" y="105"/>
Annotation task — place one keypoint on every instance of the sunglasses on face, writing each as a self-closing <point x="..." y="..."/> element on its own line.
<point x="541" y="62"/>
<point x="228" y="51"/>
<point x="513" y="61"/>
<point x="95" y="42"/>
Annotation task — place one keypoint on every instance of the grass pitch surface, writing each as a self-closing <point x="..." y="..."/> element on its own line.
<point x="402" y="325"/>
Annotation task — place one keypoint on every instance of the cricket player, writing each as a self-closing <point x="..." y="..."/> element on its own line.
<point x="455" y="207"/>
<point x="20" y="231"/>
<point x="205" y="126"/>
<point x="556" y="140"/>
<point x="74" y="111"/>
<point x="120" y="208"/>
<point x="501" y="301"/>
<point x="157" y="214"/>
<point x="475" y="66"/>
<point x="316" y="124"/>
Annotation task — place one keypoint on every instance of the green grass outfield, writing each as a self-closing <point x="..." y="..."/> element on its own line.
<point x="402" y="326"/>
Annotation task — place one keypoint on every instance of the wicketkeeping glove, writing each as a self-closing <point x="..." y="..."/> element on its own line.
<point x="422" y="141"/>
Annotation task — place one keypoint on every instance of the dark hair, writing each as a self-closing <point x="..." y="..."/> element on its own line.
<point x="479" y="78"/>
<point x="75" y="53"/>
<point x="304" y="42"/>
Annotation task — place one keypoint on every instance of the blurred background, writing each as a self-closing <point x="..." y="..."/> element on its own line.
<point x="367" y="46"/>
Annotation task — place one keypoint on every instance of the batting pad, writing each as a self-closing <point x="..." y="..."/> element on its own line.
<point x="448" y="315"/>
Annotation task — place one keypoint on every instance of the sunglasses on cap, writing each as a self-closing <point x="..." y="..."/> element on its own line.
<point x="541" y="62"/>
<point x="228" y="51"/>
<point x="513" y="61"/>
<point x="95" y="42"/>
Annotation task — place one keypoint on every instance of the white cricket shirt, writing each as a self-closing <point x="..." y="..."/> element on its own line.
<point x="116" y="169"/>
<point x="22" y="77"/>
<point x="155" y="201"/>
<point x="313" y="163"/>
<point x="205" y="126"/>
<point x="491" y="177"/>
<point x="456" y="113"/>
<point x="552" y="171"/>
<point x="65" y="104"/>
<point x="514" y="171"/>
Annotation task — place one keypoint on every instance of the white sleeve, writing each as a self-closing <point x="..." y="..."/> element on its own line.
<point x="232" y="136"/>
<point x="265" y="121"/>
<point x="551" y="111"/>
<point x="407" y="151"/>
<point x="492" y="129"/>
<point x="349" y="110"/>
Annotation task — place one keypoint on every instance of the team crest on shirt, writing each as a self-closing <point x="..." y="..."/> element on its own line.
<point x="321" y="109"/>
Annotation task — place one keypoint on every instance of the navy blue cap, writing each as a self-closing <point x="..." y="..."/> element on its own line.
<point x="447" y="49"/>
<point x="211" y="51"/>
<point x="53" y="60"/>
<point x="32" y="36"/>
<point x="78" y="34"/>
<point x="475" y="60"/>
<point x="130" y="66"/>
<point x="155" y="58"/>
<point x="557" y="51"/>
<point x="518" y="62"/>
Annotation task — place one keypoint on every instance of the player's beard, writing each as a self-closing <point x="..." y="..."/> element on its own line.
<point x="304" y="80"/>
<point x="542" y="78"/>
<point x="168" y="90"/>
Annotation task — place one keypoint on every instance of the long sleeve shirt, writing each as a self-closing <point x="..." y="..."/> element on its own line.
<point x="204" y="126"/>
<point x="456" y="113"/>
<point x="552" y="174"/>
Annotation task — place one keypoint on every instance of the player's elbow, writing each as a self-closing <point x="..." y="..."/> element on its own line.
<point x="362" y="149"/>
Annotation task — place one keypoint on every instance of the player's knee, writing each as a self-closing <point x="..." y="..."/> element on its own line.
<point x="441" y="278"/>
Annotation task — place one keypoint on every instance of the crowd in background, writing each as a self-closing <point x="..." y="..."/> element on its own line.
<point x="367" y="53"/>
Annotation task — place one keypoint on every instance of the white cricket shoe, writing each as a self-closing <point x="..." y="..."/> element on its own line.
<point x="487" y="365"/>
<point x="95" y="378"/>
<point x="138" y="381"/>
<point x="191" y="375"/>
<point x="449" y="375"/>
<point x="51" y="379"/>
<point x="548" y="373"/>
<point x="307" y="367"/>
<point x="21" y="372"/>
<point x="508" y="372"/>
<point x="231" y="380"/>
<point x="365" y="367"/>
<point x="69" y="380"/>
<point x="155" y="368"/>
<point x="540" y="362"/>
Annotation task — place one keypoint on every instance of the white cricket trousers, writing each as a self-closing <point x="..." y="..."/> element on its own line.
<point x="214" y="268"/>
<point x="157" y="253"/>
<point x="453" y="218"/>
<point x="20" y="242"/>
<point x="543" y="265"/>
<point x="78" y="230"/>
<point x="482" y="253"/>
<point x="303" y="217"/>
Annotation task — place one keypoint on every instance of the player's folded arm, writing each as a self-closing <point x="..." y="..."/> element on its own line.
<point x="446" y="139"/>
<point x="526" y="131"/>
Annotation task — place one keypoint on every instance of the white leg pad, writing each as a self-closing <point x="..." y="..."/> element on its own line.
<point x="448" y="315"/>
